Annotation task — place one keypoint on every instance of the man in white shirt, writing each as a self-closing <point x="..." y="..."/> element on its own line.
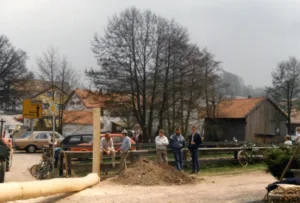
<point x="161" y="142"/>
<point x="297" y="139"/>
<point x="107" y="147"/>
<point x="288" y="140"/>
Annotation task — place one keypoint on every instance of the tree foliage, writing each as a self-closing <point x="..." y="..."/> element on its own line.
<point x="154" y="61"/>
<point x="13" y="73"/>
<point x="286" y="85"/>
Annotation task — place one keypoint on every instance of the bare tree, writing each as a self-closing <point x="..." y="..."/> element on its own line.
<point x="13" y="73"/>
<point x="286" y="85"/>
<point x="56" y="71"/>
<point x="151" y="59"/>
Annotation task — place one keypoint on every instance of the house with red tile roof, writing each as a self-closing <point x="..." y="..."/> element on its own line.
<point x="77" y="116"/>
<point x="255" y="120"/>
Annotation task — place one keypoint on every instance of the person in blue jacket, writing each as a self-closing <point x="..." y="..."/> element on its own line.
<point x="194" y="143"/>
<point x="177" y="142"/>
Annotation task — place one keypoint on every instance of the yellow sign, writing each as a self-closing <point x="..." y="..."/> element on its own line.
<point x="53" y="108"/>
<point x="32" y="109"/>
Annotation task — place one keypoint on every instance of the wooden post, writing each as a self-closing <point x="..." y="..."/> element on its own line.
<point x="66" y="164"/>
<point x="96" y="141"/>
<point x="235" y="154"/>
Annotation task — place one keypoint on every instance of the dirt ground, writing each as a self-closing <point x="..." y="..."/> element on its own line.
<point x="148" y="172"/>
<point x="236" y="188"/>
<point x="21" y="163"/>
<point x="240" y="188"/>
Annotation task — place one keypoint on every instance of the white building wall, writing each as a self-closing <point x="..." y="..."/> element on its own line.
<point x="74" y="104"/>
<point x="106" y="121"/>
<point x="71" y="129"/>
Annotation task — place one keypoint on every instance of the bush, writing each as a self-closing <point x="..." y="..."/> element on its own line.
<point x="277" y="159"/>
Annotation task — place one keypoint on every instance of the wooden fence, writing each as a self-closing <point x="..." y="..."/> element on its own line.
<point x="80" y="160"/>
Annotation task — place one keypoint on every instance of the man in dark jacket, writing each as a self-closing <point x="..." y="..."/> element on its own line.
<point x="177" y="142"/>
<point x="194" y="142"/>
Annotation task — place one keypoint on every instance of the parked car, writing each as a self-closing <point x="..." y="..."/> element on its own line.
<point x="36" y="140"/>
<point x="75" y="140"/>
<point x="117" y="139"/>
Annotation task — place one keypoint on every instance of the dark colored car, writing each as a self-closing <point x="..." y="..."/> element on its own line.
<point x="72" y="140"/>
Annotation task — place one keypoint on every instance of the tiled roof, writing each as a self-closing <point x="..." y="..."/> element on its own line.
<point x="78" y="117"/>
<point x="237" y="108"/>
<point x="90" y="99"/>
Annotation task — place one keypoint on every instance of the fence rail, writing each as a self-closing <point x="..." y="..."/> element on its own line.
<point x="152" y="145"/>
<point x="70" y="160"/>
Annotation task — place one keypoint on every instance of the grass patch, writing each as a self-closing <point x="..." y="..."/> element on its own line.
<point x="231" y="169"/>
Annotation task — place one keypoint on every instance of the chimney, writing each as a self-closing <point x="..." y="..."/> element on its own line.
<point x="249" y="96"/>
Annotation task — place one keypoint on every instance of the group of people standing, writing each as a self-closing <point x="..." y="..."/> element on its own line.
<point x="176" y="142"/>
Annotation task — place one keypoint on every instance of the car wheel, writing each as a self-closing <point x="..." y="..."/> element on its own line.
<point x="31" y="149"/>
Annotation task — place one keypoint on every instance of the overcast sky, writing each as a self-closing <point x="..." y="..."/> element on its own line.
<point x="249" y="36"/>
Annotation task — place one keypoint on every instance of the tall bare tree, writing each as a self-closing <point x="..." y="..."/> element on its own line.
<point x="286" y="85"/>
<point x="56" y="71"/>
<point x="151" y="59"/>
<point x="13" y="73"/>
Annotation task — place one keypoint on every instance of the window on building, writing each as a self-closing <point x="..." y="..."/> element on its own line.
<point x="60" y="106"/>
<point x="46" y="106"/>
<point x="72" y="103"/>
<point x="78" y="102"/>
<point x="49" y="94"/>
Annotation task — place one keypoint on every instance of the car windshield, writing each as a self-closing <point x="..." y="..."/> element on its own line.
<point x="26" y="134"/>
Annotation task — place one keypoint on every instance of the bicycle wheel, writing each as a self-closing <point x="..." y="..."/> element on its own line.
<point x="257" y="156"/>
<point x="35" y="169"/>
<point x="243" y="158"/>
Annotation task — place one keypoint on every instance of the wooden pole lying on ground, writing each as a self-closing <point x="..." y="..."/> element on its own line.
<point x="34" y="189"/>
<point x="96" y="141"/>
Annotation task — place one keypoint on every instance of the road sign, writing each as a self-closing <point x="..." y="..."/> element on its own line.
<point x="53" y="108"/>
<point x="32" y="109"/>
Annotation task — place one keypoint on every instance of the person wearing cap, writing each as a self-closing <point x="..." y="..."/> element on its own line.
<point x="124" y="149"/>
<point x="107" y="147"/>
<point x="177" y="142"/>
<point x="161" y="142"/>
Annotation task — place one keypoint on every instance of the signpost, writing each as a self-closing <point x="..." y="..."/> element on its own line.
<point x="32" y="110"/>
<point x="53" y="110"/>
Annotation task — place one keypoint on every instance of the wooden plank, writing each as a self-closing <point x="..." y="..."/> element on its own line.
<point x="152" y="145"/>
<point x="200" y="149"/>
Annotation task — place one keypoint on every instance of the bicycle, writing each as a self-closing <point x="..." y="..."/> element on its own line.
<point x="254" y="156"/>
<point x="44" y="169"/>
